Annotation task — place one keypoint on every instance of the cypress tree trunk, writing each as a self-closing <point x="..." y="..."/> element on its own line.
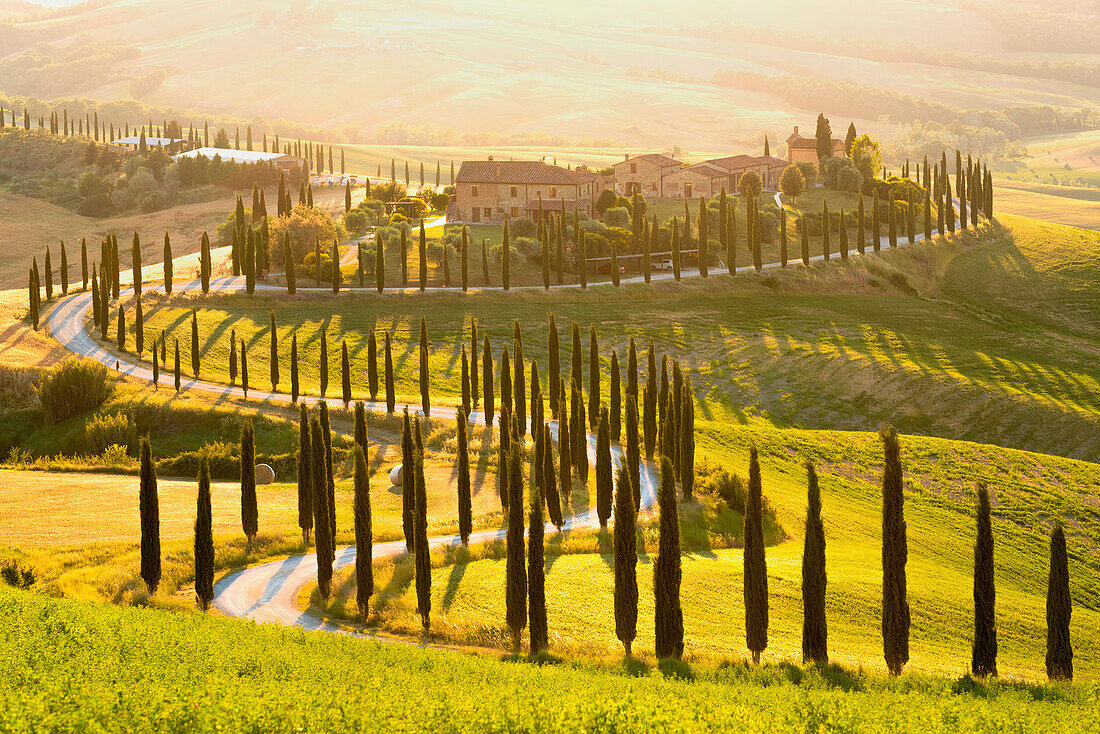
<point x="425" y="397"/>
<point x="420" y="542"/>
<point x="516" y="597"/>
<point x="249" y="512"/>
<point x="668" y="618"/>
<point x="984" y="652"/>
<point x="1059" y="609"/>
<point x="536" y="570"/>
<point x="149" y="510"/>
<point x="345" y="375"/>
<point x="814" y="628"/>
<point x="488" y="408"/>
<point x="204" y="541"/>
<point x="408" y="482"/>
<point x="305" y="475"/>
<point x="626" y="562"/>
<point x="616" y="410"/>
<point x="294" y="367"/>
<point x="603" y="471"/>
<point x="391" y="399"/>
<point x="895" y="606"/>
<point x="321" y="522"/>
<point x="756" y="572"/>
<point x="465" y="519"/>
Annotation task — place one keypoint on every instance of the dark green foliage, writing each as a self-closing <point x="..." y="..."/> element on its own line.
<point x="473" y="361"/>
<point x="423" y="265"/>
<point x="626" y="562"/>
<point x="244" y="368"/>
<point x="330" y="476"/>
<point x="167" y="260"/>
<point x="633" y="451"/>
<point x="505" y="259"/>
<point x="804" y="231"/>
<point x="177" y="365"/>
<point x="549" y="486"/>
<point x="686" y="454"/>
<point x="984" y="652"/>
<point x="372" y="365"/>
<point x="464" y="259"/>
<point x="305" y="474"/>
<point x="249" y="511"/>
<point x="649" y="405"/>
<point x="554" y="374"/>
<point x="1059" y="609"/>
<point x="668" y="617"/>
<point x="321" y="498"/>
<point x="139" y="326"/>
<point x="465" y="381"/>
<point x="273" y="359"/>
<point x="487" y="383"/>
<point x="324" y="363"/>
<point x="149" y="511"/>
<point x="895" y="606"/>
<point x="420" y="540"/>
<point x="756" y="571"/>
<point x="505" y="389"/>
<point x="380" y="262"/>
<point x="465" y="519"/>
<point x="876" y="225"/>
<point x="516" y="574"/>
<point x="593" y="379"/>
<point x="861" y="235"/>
<point x="519" y="383"/>
<point x="63" y="272"/>
<point x="892" y="223"/>
<point x="408" y="482"/>
<point x="345" y="375"/>
<point x="232" y="356"/>
<point x="603" y="470"/>
<point x="825" y="230"/>
<point x="580" y="438"/>
<point x="616" y="410"/>
<point x="121" y="328"/>
<point x="565" y="452"/>
<point x="204" y="541"/>
<point x="425" y="397"/>
<point x="391" y="398"/>
<point x="536" y="569"/>
<point x="815" y="632"/>
<point x="195" y="343"/>
<point x="294" y="367"/>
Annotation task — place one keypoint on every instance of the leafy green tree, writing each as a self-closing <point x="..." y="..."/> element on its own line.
<point x="668" y="620"/>
<point x="756" y="572"/>
<point x="249" y="511"/>
<point x="149" y="511"/>
<point x="204" y="540"/>
<point x="984" y="651"/>
<point x="895" y="606"/>
<point x="866" y="156"/>
<point x="626" y="562"/>
<point x="815" y="630"/>
<point x="1059" y="609"/>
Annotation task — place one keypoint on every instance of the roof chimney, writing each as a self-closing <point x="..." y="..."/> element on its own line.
<point x="491" y="157"/>
<point x="626" y="156"/>
<point x="795" y="130"/>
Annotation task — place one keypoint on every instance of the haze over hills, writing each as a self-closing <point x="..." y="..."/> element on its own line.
<point x="631" y="73"/>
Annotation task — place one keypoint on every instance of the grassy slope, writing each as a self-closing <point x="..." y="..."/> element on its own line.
<point x="135" y="670"/>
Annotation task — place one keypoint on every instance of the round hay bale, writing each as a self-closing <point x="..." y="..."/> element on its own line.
<point x="264" y="474"/>
<point x="395" y="475"/>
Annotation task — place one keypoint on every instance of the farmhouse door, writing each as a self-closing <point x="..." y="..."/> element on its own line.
<point x="477" y="214"/>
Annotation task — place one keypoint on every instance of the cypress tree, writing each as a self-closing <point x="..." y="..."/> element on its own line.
<point x="593" y="379"/>
<point x="294" y="367"/>
<point x="64" y="272"/>
<point x="565" y="452"/>
<point x="648" y="237"/>
<point x="408" y="481"/>
<point x="205" y="263"/>
<point x="1059" y="609"/>
<point x="288" y="264"/>
<point x="177" y="365"/>
<point x="96" y="314"/>
<point x="554" y="375"/>
<point x="580" y="439"/>
<point x="805" y="232"/>
<point x="892" y="222"/>
<point x="843" y="231"/>
<point x="324" y="363"/>
<point x="336" y="277"/>
<point x="668" y="619"/>
<point x="927" y="216"/>
<point x="244" y="369"/>
<point x="814" y="628"/>
<point x="549" y="481"/>
<point x="984" y="652"/>
<point x="861" y="223"/>
<point x="473" y="361"/>
<point x="560" y="240"/>
<point x="616" y="410"/>
<point x="519" y="384"/>
<point x="232" y="356"/>
<point x="391" y="399"/>
<point x="195" y="343"/>
<point x="364" y="571"/>
<point x="156" y="366"/>
<point x="626" y="562"/>
<point x="676" y="248"/>
<point x="516" y="596"/>
<point x="423" y="265"/>
<point x="380" y="261"/>
<point x="505" y="389"/>
<point x="536" y="568"/>
<point x="876" y="225"/>
<point x="321" y="521"/>
<point x="305" y="475"/>
<point x="464" y="258"/>
<point x="582" y="255"/>
<point x="420" y="541"/>
<point x="895" y="606"/>
<point x="487" y="408"/>
<point x="139" y="326"/>
<point x="121" y="328"/>
<point x="204" y="540"/>
<point x="345" y="375"/>
<point x="273" y="359"/>
<point x="687" y="441"/>
<point x="756" y="572"/>
<point x="249" y="512"/>
<point x="826" y="230"/>
<point x="425" y="398"/>
<point x="404" y="256"/>
<point x="782" y="238"/>
<point x="167" y="256"/>
<point x="603" y="471"/>
<point x="149" y="510"/>
<point x="505" y="258"/>
<point x="84" y="264"/>
<point x="649" y="404"/>
<point x="465" y="521"/>
<point x="910" y="221"/>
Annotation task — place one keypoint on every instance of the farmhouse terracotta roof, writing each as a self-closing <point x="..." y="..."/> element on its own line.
<point x="659" y="159"/>
<point x="520" y="172"/>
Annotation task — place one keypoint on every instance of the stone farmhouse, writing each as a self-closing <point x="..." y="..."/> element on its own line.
<point x="706" y="178"/>
<point x="800" y="149"/>
<point x="644" y="174"/>
<point x="495" y="191"/>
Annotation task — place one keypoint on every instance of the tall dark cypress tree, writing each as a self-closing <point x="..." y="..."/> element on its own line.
<point x="549" y="480"/>
<point x="425" y="395"/>
<point x="195" y="343"/>
<point x="516" y="574"/>
<point x="391" y="398"/>
<point x="603" y="470"/>
<point x="372" y="365"/>
<point x="465" y="385"/>
<point x="244" y="367"/>
<point x="321" y="522"/>
<point x="465" y="519"/>
<point x="984" y="652"/>
<point x="423" y="257"/>
<point x="249" y="511"/>
<point x="519" y="383"/>
<point x="204" y="540"/>
<point x="64" y="270"/>
<point x="473" y="362"/>
<point x="616" y="409"/>
<point x="626" y="562"/>
<point x="895" y="605"/>
<point x="364" y="570"/>
<point x="330" y="474"/>
<point x="505" y="390"/>
<point x="668" y="622"/>
<point x="536" y="568"/>
<point x="177" y="365"/>
<point x="554" y="374"/>
<point x="408" y="481"/>
<point x="345" y="375"/>
<point x="1059" y="609"/>
<point x="756" y="571"/>
<point x="380" y="261"/>
<point x="861" y="224"/>
<point x="580" y="438"/>
<point x="487" y="407"/>
<point x="815" y="632"/>
<point x="273" y="357"/>
<point x="593" y="379"/>
<point x="305" y="475"/>
<point x="687" y="440"/>
<point x="420" y="541"/>
<point x="149" y="510"/>
<point x="294" y="367"/>
<point x="876" y="224"/>
<point x="505" y="259"/>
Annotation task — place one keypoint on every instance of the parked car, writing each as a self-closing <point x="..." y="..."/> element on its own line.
<point x="662" y="263"/>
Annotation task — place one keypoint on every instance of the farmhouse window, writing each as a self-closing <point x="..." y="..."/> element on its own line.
<point x="473" y="191"/>
<point x="633" y="167"/>
<point x="515" y="211"/>
<point x="515" y="191"/>
<point x="488" y="212"/>
<point x="553" y="191"/>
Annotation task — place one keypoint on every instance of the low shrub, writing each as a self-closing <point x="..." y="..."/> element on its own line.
<point x="74" y="386"/>
<point x="103" y="431"/>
